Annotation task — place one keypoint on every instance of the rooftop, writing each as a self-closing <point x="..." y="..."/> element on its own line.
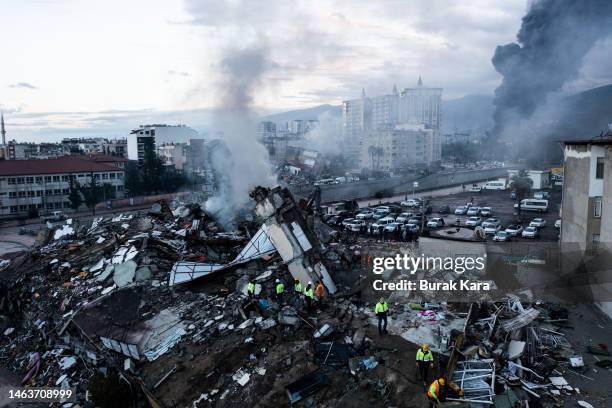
<point x="65" y="164"/>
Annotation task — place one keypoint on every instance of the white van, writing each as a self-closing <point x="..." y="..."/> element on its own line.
<point x="530" y="204"/>
<point x="495" y="185"/>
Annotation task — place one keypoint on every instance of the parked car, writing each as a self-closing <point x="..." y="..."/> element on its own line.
<point x="501" y="236"/>
<point x="334" y="220"/>
<point x="355" y="225"/>
<point x="558" y="224"/>
<point x="514" y="230"/>
<point x="530" y="232"/>
<point x="403" y="217"/>
<point x="365" y="215"/>
<point x="491" y="225"/>
<point x="411" y="227"/>
<point x="461" y="210"/>
<point x="347" y="221"/>
<point x="538" y="223"/>
<point x="392" y="227"/>
<point x="54" y="216"/>
<point x="445" y="209"/>
<point x="383" y="222"/>
<point x="486" y="211"/>
<point x="435" y="223"/>
<point x="476" y="189"/>
<point x="411" y="202"/>
<point x="473" y="221"/>
<point x="541" y="195"/>
<point x="381" y="213"/>
<point x="473" y="211"/>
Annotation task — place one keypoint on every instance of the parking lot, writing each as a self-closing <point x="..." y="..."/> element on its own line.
<point x="502" y="206"/>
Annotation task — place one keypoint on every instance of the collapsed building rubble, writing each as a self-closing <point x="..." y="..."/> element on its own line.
<point x="159" y="303"/>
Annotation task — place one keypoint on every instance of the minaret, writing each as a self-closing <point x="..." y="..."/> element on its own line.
<point x="2" y="130"/>
<point x="420" y="83"/>
<point x="363" y="95"/>
<point x="394" y="92"/>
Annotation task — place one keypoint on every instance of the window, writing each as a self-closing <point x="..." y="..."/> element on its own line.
<point x="104" y="176"/>
<point x="66" y="204"/>
<point x="20" y="180"/>
<point x="112" y="175"/>
<point x="595" y="241"/>
<point x="23" y="208"/>
<point x="57" y="191"/>
<point x="119" y="175"/>
<point x="39" y="180"/>
<point x="30" y="180"/>
<point x="48" y="192"/>
<point x="56" y="179"/>
<point x="12" y="194"/>
<point x="97" y="176"/>
<point x="39" y="193"/>
<point x="65" y="178"/>
<point x="81" y="175"/>
<point x="21" y="194"/>
<point x="597" y="205"/>
<point x="47" y="179"/>
<point x="12" y="180"/>
<point x="30" y="194"/>
<point x="13" y="208"/>
<point x="66" y="191"/>
<point x="599" y="169"/>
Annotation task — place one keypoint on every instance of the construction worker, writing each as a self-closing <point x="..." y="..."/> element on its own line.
<point x="434" y="392"/>
<point x="381" y="310"/>
<point x="280" y="289"/>
<point x="309" y="294"/>
<point x="297" y="286"/>
<point x="251" y="289"/>
<point x="424" y="361"/>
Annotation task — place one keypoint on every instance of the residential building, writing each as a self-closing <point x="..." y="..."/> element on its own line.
<point x="385" y="110"/>
<point x="156" y="135"/>
<point x="43" y="185"/>
<point x="266" y="129"/>
<point x="421" y="105"/>
<point x="407" y="145"/>
<point x="174" y="155"/>
<point x="356" y="121"/>
<point x="297" y="126"/>
<point x="585" y="212"/>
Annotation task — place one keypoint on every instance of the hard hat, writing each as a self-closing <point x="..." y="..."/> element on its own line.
<point x="310" y="282"/>
<point x="441" y="381"/>
<point x="425" y="347"/>
<point x="278" y="281"/>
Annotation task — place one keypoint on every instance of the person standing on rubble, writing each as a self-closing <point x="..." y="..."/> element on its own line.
<point x="381" y="310"/>
<point x="297" y="286"/>
<point x="251" y="289"/>
<point x="424" y="361"/>
<point x="309" y="294"/>
<point x="320" y="292"/>
<point x="280" y="290"/>
<point x="435" y="392"/>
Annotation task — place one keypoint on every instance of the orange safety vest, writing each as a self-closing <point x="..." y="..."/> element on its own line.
<point x="434" y="390"/>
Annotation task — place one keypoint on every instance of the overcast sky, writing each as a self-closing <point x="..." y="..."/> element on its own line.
<point x="89" y="68"/>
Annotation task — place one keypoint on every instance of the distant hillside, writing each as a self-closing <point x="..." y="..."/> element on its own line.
<point x="304" y="114"/>
<point x="469" y="112"/>
<point x="585" y="114"/>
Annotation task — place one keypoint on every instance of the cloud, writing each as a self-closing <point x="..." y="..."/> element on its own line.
<point x="179" y="73"/>
<point x="23" y="85"/>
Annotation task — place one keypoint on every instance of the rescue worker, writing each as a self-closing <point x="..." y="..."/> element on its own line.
<point x="424" y="361"/>
<point x="251" y="289"/>
<point x="381" y="310"/>
<point x="280" y="289"/>
<point x="297" y="286"/>
<point x="320" y="290"/>
<point x="434" y="392"/>
<point x="309" y="294"/>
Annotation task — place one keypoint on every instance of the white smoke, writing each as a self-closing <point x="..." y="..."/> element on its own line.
<point x="326" y="138"/>
<point x="244" y="164"/>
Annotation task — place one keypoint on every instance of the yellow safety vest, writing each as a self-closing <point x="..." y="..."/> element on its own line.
<point x="280" y="288"/>
<point x="381" y="307"/>
<point x="297" y="287"/>
<point x="434" y="389"/>
<point x="309" y="293"/>
<point x="251" y="288"/>
<point x="422" y="356"/>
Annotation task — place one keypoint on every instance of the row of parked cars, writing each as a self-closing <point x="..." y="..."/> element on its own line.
<point x="470" y="210"/>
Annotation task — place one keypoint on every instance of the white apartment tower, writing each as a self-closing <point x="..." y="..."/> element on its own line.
<point x="421" y="105"/>
<point x="356" y="120"/>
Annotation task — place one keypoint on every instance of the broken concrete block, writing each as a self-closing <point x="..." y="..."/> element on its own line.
<point x="67" y="363"/>
<point x="142" y="274"/>
<point x="245" y="324"/>
<point x="124" y="273"/>
<point x="241" y="377"/>
<point x="323" y="331"/>
<point x="128" y="365"/>
<point x="515" y="349"/>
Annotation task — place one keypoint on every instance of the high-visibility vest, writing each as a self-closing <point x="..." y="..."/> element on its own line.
<point x="434" y="389"/>
<point x="422" y="356"/>
<point x="280" y="288"/>
<point x="297" y="287"/>
<point x="309" y="293"/>
<point x="381" y="308"/>
<point x="251" y="288"/>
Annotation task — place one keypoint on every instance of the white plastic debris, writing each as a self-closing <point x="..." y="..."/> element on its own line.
<point x="241" y="377"/>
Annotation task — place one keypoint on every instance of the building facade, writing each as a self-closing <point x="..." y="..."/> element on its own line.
<point x="43" y="185"/>
<point x="421" y="105"/>
<point x="356" y="121"/>
<point x="156" y="135"/>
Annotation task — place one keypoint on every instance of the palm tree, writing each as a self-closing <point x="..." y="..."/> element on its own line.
<point x="375" y="151"/>
<point x="521" y="183"/>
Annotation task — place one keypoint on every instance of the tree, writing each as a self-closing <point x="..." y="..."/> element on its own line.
<point x="74" y="195"/>
<point x="521" y="184"/>
<point x="133" y="180"/>
<point x="377" y="152"/>
<point x="92" y="193"/>
<point x="152" y="170"/>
